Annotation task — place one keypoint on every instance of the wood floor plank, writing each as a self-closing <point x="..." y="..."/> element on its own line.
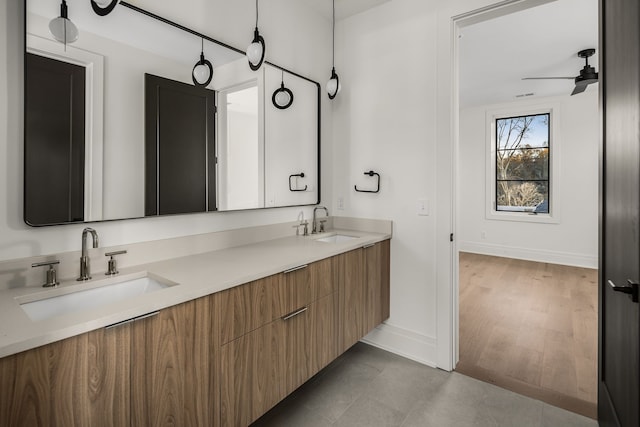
<point x="530" y="324"/>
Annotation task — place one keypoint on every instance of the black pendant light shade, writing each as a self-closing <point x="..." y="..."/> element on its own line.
<point x="202" y="72"/>
<point x="62" y="29"/>
<point x="256" y="50"/>
<point x="103" y="7"/>
<point x="333" y="85"/>
<point x="282" y="97"/>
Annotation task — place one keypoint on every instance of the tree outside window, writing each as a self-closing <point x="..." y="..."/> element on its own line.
<point x="522" y="163"/>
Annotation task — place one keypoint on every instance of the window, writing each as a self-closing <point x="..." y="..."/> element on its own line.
<point x="522" y="163"/>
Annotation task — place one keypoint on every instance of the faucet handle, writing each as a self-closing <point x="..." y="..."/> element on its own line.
<point x="112" y="268"/>
<point x="322" y="221"/>
<point x="52" y="275"/>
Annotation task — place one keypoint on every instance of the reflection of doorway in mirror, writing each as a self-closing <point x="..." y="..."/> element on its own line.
<point x="54" y="141"/>
<point x="240" y="162"/>
<point x="240" y="137"/>
<point x="93" y="130"/>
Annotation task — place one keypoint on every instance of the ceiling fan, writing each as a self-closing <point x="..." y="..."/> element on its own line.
<point x="587" y="75"/>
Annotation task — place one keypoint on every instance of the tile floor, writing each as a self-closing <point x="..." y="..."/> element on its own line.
<point x="370" y="387"/>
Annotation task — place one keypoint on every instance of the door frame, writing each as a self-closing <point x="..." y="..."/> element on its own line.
<point x="449" y="291"/>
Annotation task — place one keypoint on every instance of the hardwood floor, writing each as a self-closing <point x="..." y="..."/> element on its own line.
<point x="531" y="328"/>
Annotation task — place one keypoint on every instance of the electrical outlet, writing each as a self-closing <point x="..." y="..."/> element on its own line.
<point x="422" y="207"/>
<point x="340" y="203"/>
<point x="483" y="235"/>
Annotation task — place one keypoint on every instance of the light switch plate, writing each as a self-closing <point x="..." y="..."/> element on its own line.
<point x="340" y="203"/>
<point x="422" y="207"/>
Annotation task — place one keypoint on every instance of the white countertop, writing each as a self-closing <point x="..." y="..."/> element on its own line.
<point x="196" y="276"/>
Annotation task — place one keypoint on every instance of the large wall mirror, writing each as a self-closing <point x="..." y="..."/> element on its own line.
<point x="115" y="126"/>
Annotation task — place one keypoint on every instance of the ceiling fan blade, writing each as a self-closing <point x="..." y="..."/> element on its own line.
<point x="548" y="78"/>
<point x="579" y="89"/>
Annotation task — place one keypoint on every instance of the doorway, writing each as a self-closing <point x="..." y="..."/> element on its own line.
<point x="527" y="275"/>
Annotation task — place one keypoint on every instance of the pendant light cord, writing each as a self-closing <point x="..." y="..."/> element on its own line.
<point x="333" y="39"/>
<point x="256" y="13"/>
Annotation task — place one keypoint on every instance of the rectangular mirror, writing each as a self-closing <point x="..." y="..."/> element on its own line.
<point x="115" y="127"/>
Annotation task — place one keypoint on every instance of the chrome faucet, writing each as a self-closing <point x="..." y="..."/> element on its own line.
<point x="314" y="228"/>
<point x="85" y="271"/>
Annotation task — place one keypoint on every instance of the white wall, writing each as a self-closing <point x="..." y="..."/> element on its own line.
<point x="288" y="134"/>
<point x="385" y="120"/>
<point x="571" y="241"/>
<point x="231" y="22"/>
<point x="395" y="115"/>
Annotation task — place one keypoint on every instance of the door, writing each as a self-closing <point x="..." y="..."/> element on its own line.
<point x="619" y="343"/>
<point x="179" y="147"/>
<point x="54" y="141"/>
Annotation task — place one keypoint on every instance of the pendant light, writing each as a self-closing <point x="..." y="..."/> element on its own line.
<point x="103" y="7"/>
<point x="62" y="29"/>
<point x="282" y="97"/>
<point x="203" y="70"/>
<point x="333" y="85"/>
<point x="255" y="51"/>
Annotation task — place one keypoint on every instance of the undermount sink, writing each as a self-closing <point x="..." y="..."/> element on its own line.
<point x="336" y="238"/>
<point x="111" y="291"/>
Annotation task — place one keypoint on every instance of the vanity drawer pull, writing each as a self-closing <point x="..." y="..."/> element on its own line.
<point x="124" y="322"/>
<point x="368" y="246"/>
<point x="300" y="267"/>
<point x="295" y="313"/>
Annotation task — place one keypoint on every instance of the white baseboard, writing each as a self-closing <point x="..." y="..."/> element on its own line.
<point x="552" y="257"/>
<point x="405" y="343"/>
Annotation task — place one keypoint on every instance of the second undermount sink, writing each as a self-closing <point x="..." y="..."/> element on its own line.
<point x="107" y="291"/>
<point x="336" y="238"/>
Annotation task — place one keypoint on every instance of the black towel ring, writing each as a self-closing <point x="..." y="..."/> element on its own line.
<point x="377" y="190"/>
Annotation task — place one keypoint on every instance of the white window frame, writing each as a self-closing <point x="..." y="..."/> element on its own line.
<point x="553" y="217"/>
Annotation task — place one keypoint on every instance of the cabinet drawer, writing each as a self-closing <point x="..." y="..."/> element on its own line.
<point x="248" y="307"/>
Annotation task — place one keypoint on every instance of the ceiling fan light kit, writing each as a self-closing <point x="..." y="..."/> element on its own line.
<point x="587" y="76"/>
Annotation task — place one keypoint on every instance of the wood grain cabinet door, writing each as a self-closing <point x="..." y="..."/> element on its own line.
<point x="364" y="291"/>
<point x="171" y="367"/>
<point x="349" y="274"/>
<point x="376" y="259"/>
<point x="80" y="381"/>
<point x="322" y="322"/>
<point x="252" y="375"/>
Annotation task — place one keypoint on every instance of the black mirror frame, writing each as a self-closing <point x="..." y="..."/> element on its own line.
<point x="198" y="34"/>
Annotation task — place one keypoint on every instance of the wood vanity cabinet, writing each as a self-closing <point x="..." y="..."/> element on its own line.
<point x="80" y="381"/>
<point x="363" y="278"/>
<point x="157" y="370"/>
<point x="224" y="359"/>
<point x="284" y="331"/>
<point x="172" y="366"/>
<point x="377" y="289"/>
